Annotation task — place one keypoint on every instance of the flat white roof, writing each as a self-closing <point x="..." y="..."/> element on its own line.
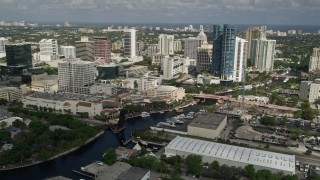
<point x="234" y="153"/>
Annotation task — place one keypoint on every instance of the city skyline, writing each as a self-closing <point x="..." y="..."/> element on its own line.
<point x="164" y="11"/>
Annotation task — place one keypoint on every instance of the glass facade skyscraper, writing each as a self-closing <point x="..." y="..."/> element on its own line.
<point x="224" y="42"/>
<point x="19" y="55"/>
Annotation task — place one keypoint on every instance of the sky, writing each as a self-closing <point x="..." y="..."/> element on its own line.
<point x="288" y="12"/>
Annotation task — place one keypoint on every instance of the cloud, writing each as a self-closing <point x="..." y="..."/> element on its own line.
<point x="224" y="11"/>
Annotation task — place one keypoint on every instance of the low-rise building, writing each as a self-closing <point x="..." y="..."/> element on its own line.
<point x="47" y="84"/>
<point x="173" y="66"/>
<point x="10" y="93"/>
<point x="167" y="92"/>
<point x="207" y="79"/>
<point x="207" y="125"/>
<point x="259" y="99"/>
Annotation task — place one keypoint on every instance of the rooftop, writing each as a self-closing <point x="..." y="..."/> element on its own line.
<point x="165" y="88"/>
<point x="64" y="97"/>
<point x="5" y="88"/>
<point x="208" y="121"/>
<point x="234" y="153"/>
<point x="134" y="173"/>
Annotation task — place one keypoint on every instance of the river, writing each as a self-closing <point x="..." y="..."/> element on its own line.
<point x="91" y="152"/>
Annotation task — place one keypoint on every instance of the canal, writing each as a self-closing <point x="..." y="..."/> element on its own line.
<point x="91" y="152"/>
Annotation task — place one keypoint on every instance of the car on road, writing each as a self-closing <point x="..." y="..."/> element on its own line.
<point x="297" y="163"/>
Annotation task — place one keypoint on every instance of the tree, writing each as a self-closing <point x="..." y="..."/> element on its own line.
<point x="215" y="165"/>
<point x="250" y="171"/>
<point x="3" y="124"/>
<point x="110" y="156"/>
<point x="308" y="152"/>
<point x="194" y="164"/>
<point x="18" y="124"/>
<point x="37" y="127"/>
<point x="268" y="120"/>
<point x="3" y="101"/>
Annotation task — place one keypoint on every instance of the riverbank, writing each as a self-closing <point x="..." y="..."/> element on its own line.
<point x="56" y="156"/>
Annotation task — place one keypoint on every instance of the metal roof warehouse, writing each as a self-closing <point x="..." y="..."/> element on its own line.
<point x="231" y="155"/>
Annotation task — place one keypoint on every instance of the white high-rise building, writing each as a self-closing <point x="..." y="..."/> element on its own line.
<point x="166" y="44"/>
<point x="76" y="76"/>
<point x="191" y="44"/>
<point x="130" y="43"/>
<point x="2" y="47"/>
<point x="262" y="54"/>
<point x="172" y="66"/>
<point x="153" y="49"/>
<point x="240" y="59"/>
<point x="315" y="60"/>
<point x="177" y="46"/>
<point x="67" y="51"/>
<point x="48" y="49"/>
<point x="309" y="90"/>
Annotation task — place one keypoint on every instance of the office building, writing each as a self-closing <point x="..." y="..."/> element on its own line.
<point x="130" y="44"/>
<point x="309" y="90"/>
<point x="19" y="55"/>
<point x="262" y="54"/>
<point x="172" y="66"/>
<point x="232" y="155"/>
<point x="190" y="47"/>
<point x="102" y="49"/>
<point x="224" y="41"/>
<point x="3" y="47"/>
<point x="204" y="58"/>
<point x="240" y="59"/>
<point x="251" y="34"/>
<point x="85" y="49"/>
<point x="76" y="76"/>
<point x="166" y="44"/>
<point x="67" y="51"/>
<point x="49" y="49"/>
<point x="314" y="63"/>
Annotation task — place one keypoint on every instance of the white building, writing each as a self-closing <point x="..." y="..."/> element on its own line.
<point x="232" y="155"/>
<point x="314" y="63"/>
<point x="130" y="43"/>
<point x="76" y="76"/>
<point x="204" y="58"/>
<point x="177" y="46"/>
<point x="157" y="59"/>
<point x="48" y="49"/>
<point x="309" y="90"/>
<point x="169" y="93"/>
<point x="142" y="84"/>
<point x="48" y="84"/>
<point x="3" y="47"/>
<point x="166" y="44"/>
<point x="172" y="66"/>
<point x="207" y="80"/>
<point x="192" y="43"/>
<point x="259" y="99"/>
<point x="67" y="51"/>
<point x="103" y="89"/>
<point x="240" y="59"/>
<point x="262" y="55"/>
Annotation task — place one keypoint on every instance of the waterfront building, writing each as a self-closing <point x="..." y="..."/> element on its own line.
<point x="102" y="49"/>
<point x="130" y="40"/>
<point x="262" y="54"/>
<point x="49" y="49"/>
<point x="169" y="93"/>
<point x="204" y="58"/>
<point x="76" y="76"/>
<point x="67" y="51"/>
<point x="166" y="44"/>
<point x="208" y="125"/>
<point x="232" y="155"/>
<point x="314" y="63"/>
<point x="85" y="49"/>
<point x="224" y="42"/>
<point x="19" y="55"/>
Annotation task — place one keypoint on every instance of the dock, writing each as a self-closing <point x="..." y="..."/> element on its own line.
<point x="119" y="130"/>
<point x="127" y="141"/>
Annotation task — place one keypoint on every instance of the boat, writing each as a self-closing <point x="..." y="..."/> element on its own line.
<point x="83" y="169"/>
<point x="167" y="124"/>
<point x="145" y="114"/>
<point x="178" y="122"/>
<point x="179" y="110"/>
<point x="161" y="112"/>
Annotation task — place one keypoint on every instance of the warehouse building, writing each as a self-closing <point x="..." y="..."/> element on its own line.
<point x="208" y="125"/>
<point x="231" y="155"/>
